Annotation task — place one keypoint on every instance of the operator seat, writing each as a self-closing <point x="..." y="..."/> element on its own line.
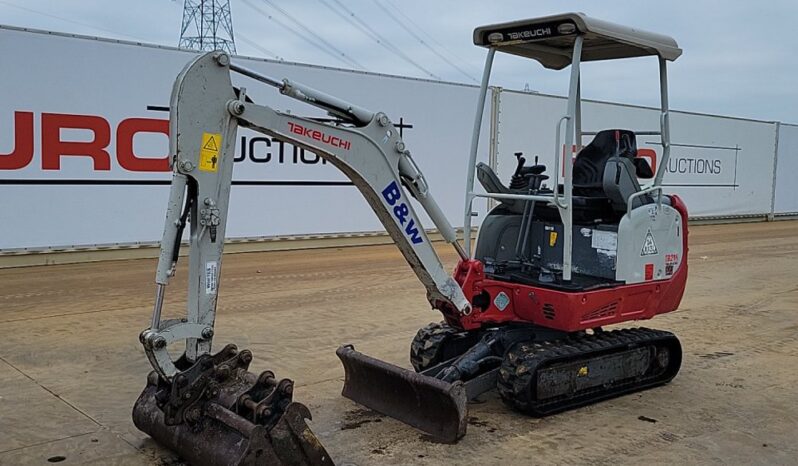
<point x="604" y="176"/>
<point x="608" y="168"/>
<point x="585" y="208"/>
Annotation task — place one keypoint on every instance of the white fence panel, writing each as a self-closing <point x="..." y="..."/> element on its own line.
<point x="60" y="90"/>
<point x="83" y="145"/>
<point x="786" y="193"/>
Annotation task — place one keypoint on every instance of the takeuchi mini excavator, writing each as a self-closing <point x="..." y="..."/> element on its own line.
<point x="558" y="258"/>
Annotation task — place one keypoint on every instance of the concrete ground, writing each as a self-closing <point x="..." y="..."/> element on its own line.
<point x="71" y="365"/>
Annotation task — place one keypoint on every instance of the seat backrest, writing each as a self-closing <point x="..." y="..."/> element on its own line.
<point x="589" y="165"/>
<point x="489" y="180"/>
<point x="492" y="184"/>
<point x="620" y="181"/>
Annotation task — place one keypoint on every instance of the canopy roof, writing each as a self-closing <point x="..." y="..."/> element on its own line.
<point x="550" y="40"/>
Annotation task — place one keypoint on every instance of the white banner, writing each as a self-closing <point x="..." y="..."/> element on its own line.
<point x="83" y="145"/>
<point x="720" y="166"/>
<point x="786" y="194"/>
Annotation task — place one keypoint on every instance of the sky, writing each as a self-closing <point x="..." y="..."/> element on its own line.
<point x="737" y="61"/>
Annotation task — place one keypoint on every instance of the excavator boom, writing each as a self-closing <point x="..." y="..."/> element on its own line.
<point x="197" y="397"/>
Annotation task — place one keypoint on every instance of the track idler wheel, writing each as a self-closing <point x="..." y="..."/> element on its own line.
<point x="438" y="342"/>
<point x="427" y="347"/>
<point x="215" y="412"/>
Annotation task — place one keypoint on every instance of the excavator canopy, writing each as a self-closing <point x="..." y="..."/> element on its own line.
<point x="550" y="40"/>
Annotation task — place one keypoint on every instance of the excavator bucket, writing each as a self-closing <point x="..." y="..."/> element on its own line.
<point x="431" y="405"/>
<point x="228" y="416"/>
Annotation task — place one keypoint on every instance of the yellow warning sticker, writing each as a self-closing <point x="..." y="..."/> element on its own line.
<point x="552" y="238"/>
<point x="209" y="152"/>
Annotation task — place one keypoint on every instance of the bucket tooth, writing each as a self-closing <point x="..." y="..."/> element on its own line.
<point x="431" y="405"/>
<point x="292" y="434"/>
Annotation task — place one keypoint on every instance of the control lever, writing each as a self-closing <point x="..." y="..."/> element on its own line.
<point x="521" y="161"/>
<point x="521" y="177"/>
<point x="530" y="179"/>
<point x="517" y="181"/>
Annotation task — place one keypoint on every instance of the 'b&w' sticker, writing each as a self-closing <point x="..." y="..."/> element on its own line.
<point x="649" y="246"/>
<point x="210" y="277"/>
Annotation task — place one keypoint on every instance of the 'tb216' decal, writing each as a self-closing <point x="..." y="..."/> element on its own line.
<point x="393" y="195"/>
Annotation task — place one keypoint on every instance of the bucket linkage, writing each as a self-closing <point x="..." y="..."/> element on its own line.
<point x="216" y="412"/>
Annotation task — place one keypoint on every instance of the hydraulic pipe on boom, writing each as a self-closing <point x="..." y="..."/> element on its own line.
<point x="205" y="112"/>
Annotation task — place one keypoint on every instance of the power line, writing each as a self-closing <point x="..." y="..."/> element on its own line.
<point x="318" y="37"/>
<point x="374" y="35"/>
<point x="423" y="42"/>
<point x="383" y="41"/>
<point x="294" y="31"/>
<point x="257" y="46"/>
<point x="424" y="32"/>
<point x="61" y="18"/>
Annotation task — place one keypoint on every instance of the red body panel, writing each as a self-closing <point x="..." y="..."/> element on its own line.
<point x="571" y="311"/>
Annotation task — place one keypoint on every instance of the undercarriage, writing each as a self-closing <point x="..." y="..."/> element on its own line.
<point x="537" y="371"/>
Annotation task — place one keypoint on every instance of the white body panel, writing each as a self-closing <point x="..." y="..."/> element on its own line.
<point x="649" y="244"/>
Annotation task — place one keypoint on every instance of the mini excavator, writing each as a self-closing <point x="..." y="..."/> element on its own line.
<point x="524" y="313"/>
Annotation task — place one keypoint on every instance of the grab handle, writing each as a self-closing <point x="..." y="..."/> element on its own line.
<point x="557" y="156"/>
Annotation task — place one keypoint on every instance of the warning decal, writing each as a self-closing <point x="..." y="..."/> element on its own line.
<point x="552" y="238"/>
<point x="211" y="271"/>
<point x="604" y="240"/>
<point x="502" y="301"/>
<point x="671" y="260"/>
<point x="649" y="246"/>
<point x="209" y="152"/>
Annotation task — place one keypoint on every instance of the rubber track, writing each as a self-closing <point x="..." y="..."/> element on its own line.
<point x="518" y="371"/>
<point x="428" y="343"/>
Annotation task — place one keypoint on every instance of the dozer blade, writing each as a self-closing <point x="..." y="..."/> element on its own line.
<point x="230" y="417"/>
<point x="436" y="407"/>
